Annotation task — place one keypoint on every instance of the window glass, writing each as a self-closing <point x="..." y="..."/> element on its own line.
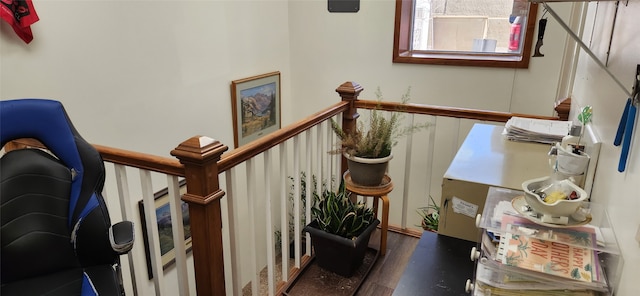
<point x="464" y="30"/>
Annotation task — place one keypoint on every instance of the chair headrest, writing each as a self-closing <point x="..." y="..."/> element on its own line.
<point x="47" y="121"/>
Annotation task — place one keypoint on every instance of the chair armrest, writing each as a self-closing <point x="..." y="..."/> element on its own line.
<point x="121" y="236"/>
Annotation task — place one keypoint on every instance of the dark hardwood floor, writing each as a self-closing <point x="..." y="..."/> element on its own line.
<point x="386" y="272"/>
<point x="383" y="276"/>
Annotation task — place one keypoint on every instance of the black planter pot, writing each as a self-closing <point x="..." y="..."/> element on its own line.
<point x="337" y="254"/>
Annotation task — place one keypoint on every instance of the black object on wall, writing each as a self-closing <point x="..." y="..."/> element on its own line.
<point x="343" y="5"/>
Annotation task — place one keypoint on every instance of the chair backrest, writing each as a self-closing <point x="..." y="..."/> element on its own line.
<point x="47" y="121"/>
<point x="52" y="212"/>
<point x="35" y="197"/>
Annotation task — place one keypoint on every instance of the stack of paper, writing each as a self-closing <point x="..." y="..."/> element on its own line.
<point x="536" y="130"/>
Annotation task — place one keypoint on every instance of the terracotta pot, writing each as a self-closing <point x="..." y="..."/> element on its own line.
<point x="367" y="171"/>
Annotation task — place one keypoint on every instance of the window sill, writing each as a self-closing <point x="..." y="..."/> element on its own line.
<point x="494" y="60"/>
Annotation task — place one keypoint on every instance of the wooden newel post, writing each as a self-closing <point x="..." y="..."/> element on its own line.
<point x="563" y="108"/>
<point x="200" y="156"/>
<point x="349" y="92"/>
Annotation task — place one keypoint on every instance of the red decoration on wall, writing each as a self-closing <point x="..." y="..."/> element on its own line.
<point x="20" y="14"/>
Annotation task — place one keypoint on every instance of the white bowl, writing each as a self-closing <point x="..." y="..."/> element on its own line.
<point x="560" y="208"/>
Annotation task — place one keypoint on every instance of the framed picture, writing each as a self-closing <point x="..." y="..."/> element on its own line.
<point x="255" y="103"/>
<point x="165" y="233"/>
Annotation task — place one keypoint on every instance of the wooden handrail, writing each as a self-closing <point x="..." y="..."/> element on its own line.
<point x="245" y="152"/>
<point x="465" y="113"/>
<point x="166" y="165"/>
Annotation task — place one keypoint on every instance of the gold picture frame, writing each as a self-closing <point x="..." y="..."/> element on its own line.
<point x="255" y="103"/>
<point x="165" y="233"/>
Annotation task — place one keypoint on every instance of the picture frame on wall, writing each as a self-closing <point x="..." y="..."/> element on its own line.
<point x="255" y="103"/>
<point x="165" y="233"/>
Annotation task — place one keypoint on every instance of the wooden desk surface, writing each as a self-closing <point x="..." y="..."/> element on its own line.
<point x="440" y="265"/>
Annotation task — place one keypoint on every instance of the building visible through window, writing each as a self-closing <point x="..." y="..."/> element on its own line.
<point x="463" y="25"/>
<point x="464" y="30"/>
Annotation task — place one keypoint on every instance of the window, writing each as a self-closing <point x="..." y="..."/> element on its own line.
<point x="488" y="33"/>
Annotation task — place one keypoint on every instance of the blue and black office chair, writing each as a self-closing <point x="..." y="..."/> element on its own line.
<point x="56" y="235"/>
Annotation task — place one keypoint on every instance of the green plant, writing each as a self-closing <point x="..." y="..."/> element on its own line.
<point x="375" y="138"/>
<point x="584" y="117"/>
<point x="430" y="216"/>
<point x="303" y="203"/>
<point x="337" y="214"/>
<point x="303" y="198"/>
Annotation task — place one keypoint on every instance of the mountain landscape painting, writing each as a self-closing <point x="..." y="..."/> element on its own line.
<point x="255" y="103"/>
<point x="258" y="108"/>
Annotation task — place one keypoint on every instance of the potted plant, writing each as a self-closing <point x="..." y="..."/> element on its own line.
<point x="368" y="146"/>
<point x="430" y="216"/>
<point x="340" y="231"/>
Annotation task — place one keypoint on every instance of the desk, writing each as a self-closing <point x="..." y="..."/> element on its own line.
<point x="485" y="159"/>
<point x="440" y="265"/>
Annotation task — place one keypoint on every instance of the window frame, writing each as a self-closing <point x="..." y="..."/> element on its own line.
<point x="402" y="52"/>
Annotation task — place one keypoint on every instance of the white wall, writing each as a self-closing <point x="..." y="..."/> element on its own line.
<point x="594" y="87"/>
